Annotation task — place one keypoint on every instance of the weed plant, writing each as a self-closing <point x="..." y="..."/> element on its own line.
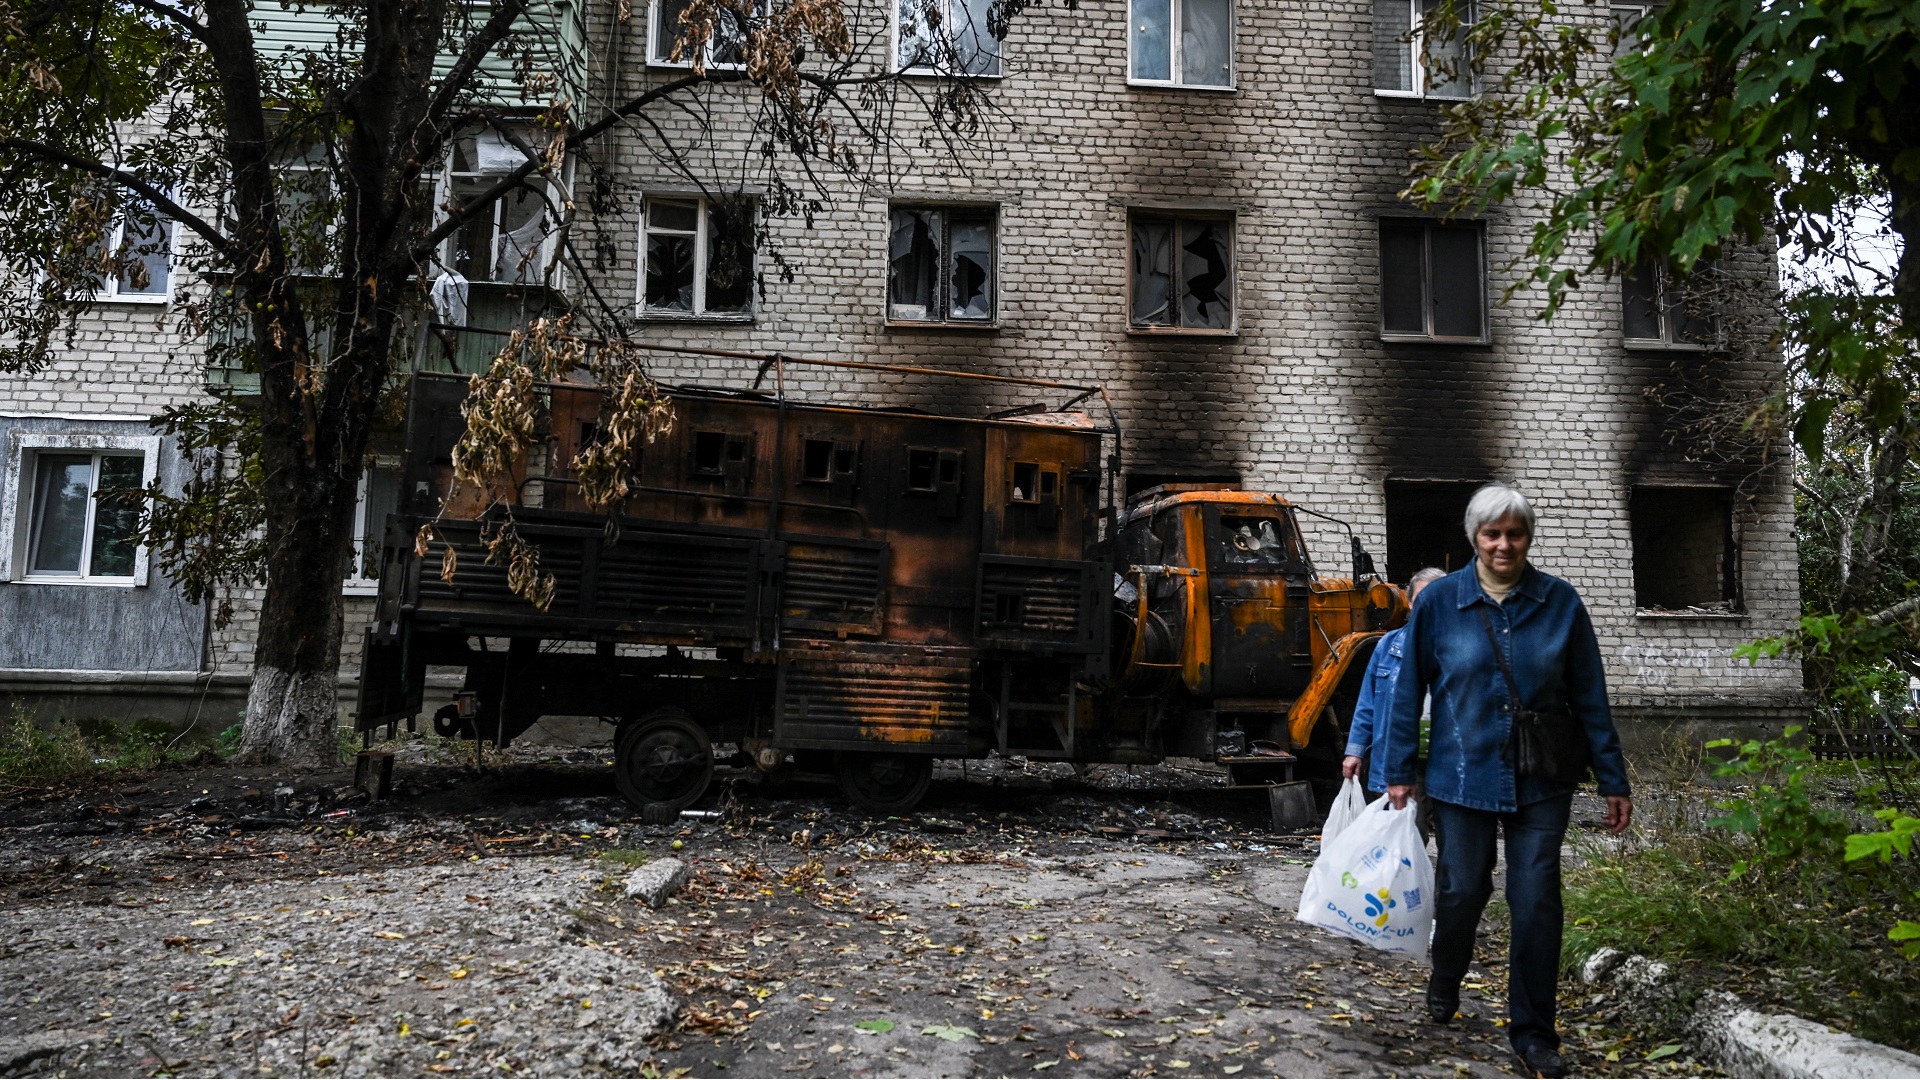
<point x="1751" y="888"/>
<point x="31" y="754"/>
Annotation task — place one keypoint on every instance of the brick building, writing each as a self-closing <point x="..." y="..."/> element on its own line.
<point x="1191" y="202"/>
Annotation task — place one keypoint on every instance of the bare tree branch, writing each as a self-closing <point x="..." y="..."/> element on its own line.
<point x="161" y="202"/>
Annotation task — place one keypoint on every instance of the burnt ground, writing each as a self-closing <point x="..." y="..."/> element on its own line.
<point x="1024" y="921"/>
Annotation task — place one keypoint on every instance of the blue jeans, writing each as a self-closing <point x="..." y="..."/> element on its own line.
<point x="1465" y="879"/>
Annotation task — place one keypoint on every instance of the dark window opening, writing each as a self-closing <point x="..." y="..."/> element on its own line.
<point x="843" y="459"/>
<point x="1026" y="482"/>
<point x="1684" y="555"/>
<point x="709" y="452"/>
<point x="922" y="467"/>
<point x="589" y="433"/>
<point x="1009" y="609"/>
<point x="816" y="461"/>
<point x="1181" y="273"/>
<point x="1049" y="482"/>
<point x="737" y="450"/>
<point x="1658" y="309"/>
<point x="1256" y="542"/>
<point x="1426" y="526"/>
<point x="950" y="470"/>
<point x="1432" y="283"/>
<point x="940" y="265"/>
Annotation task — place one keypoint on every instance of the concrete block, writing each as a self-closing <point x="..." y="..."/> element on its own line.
<point x="653" y="883"/>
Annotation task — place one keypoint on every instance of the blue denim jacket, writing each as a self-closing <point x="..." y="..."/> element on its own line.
<point x="1549" y="642"/>
<point x="1367" y="734"/>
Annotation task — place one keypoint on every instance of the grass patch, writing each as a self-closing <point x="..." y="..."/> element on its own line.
<point x="32" y="754"/>
<point x="625" y="857"/>
<point x="1804" y="931"/>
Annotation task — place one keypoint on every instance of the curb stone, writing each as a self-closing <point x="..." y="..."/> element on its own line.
<point x="19" y="1052"/>
<point x="1741" y="1040"/>
<point x="653" y="883"/>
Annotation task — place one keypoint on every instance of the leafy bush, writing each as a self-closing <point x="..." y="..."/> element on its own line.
<point x="32" y="754"/>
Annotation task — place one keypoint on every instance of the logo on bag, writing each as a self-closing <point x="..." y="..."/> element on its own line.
<point x="1347" y="880"/>
<point x="1378" y="906"/>
<point x="1372" y="859"/>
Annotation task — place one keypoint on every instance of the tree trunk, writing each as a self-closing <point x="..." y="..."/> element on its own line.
<point x="293" y="707"/>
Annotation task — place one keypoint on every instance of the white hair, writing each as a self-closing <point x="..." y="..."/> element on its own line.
<point x="1493" y="502"/>
<point x="1422" y="576"/>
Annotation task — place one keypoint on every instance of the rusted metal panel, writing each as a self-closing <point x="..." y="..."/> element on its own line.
<point x="1041" y="605"/>
<point x="873" y="700"/>
<point x="837" y="588"/>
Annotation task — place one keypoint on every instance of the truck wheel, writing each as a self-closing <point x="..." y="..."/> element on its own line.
<point x="662" y="757"/>
<point x="885" y="783"/>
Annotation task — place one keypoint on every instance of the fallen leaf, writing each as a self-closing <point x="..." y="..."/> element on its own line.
<point x="875" y="1027"/>
<point x="949" y="1032"/>
<point x="457" y="973"/>
<point x="390" y="935"/>
<point x="201" y="922"/>
<point x="1178" y="1064"/>
<point x="229" y="962"/>
<point x="1048" y="1064"/>
<point x="1659" y="1052"/>
<point x="1231" y="1069"/>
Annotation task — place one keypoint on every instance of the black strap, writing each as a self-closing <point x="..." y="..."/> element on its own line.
<point x="1500" y="657"/>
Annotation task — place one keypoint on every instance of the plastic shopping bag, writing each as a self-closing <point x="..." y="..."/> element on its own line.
<point x="1346" y="807"/>
<point x="1374" y="883"/>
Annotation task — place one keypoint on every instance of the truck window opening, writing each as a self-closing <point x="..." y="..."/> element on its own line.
<point x="920" y="469"/>
<point x="817" y="460"/>
<point x="1026" y="482"/>
<point x="709" y="449"/>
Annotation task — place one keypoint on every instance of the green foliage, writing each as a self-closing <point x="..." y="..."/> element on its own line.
<point x="32" y="754"/>
<point x="1895" y="839"/>
<point x="628" y="857"/>
<point x="1777" y="810"/>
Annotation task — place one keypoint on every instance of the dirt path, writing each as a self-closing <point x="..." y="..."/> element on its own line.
<point x="1023" y="923"/>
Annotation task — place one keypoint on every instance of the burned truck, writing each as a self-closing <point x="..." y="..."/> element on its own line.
<point x="858" y="589"/>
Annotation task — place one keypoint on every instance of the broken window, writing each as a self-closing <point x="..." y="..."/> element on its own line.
<point x="709" y="452"/>
<point x="1182" y="272"/>
<point x="140" y="267"/>
<point x="1026" y="483"/>
<point x="379" y="496"/>
<point x="1628" y="31"/>
<point x="940" y="264"/>
<point x="1426" y="525"/>
<point x="697" y="256"/>
<point x="1408" y="63"/>
<point x="510" y="240"/>
<point x="1684" y="555"/>
<point x="1432" y="283"/>
<point x="948" y="37"/>
<point x="724" y="50"/>
<point x="1256" y="542"/>
<point x="1659" y="310"/>
<point x="1198" y="53"/>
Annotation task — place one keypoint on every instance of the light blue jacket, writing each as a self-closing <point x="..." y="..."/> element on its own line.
<point x="1548" y="638"/>
<point x="1366" y="736"/>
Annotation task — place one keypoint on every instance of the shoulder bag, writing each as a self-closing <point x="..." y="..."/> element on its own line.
<point x="1548" y="745"/>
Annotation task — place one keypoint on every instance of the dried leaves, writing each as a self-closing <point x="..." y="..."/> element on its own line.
<point x="506" y="416"/>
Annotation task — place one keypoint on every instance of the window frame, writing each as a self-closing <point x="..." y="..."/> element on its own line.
<point x="17" y="510"/>
<point x="703" y="231"/>
<point x="548" y="271"/>
<point x="1670" y="339"/>
<point x="762" y="8"/>
<point x="1427" y="226"/>
<point x="1415" y="43"/>
<point x="1179" y="216"/>
<point x="893" y="48"/>
<point x="357" y="582"/>
<point x="1733" y="552"/>
<point x="109" y="292"/>
<point x="1175" y="39"/>
<point x="943" y="287"/>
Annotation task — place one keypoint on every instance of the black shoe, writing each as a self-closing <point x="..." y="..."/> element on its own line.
<point x="1541" y="1060"/>
<point x="1442" y="1001"/>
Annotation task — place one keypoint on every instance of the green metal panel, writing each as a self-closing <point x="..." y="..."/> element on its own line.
<point x="552" y="30"/>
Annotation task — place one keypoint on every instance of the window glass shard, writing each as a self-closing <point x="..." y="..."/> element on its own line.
<point x="144" y="258"/>
<point x="669" y="272"/>
<point x="913" y="264"/>
<point x="62" y="489"/>
<point x="1206" y="42"/>
<point x="1152" y="272"/>
<point x="1206" y="272"/>
<point x="917" y="23"/>
<point x="971" y="273"/>
<point x="115" y="516"/>
<point x="730" y="255"/>
<point x="1392" y="50"/>
<point x="1152" y="35"/>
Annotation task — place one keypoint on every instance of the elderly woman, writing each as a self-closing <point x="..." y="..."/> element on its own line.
<point x="1547" y="652"/>
<point x="1369" y="726"/>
